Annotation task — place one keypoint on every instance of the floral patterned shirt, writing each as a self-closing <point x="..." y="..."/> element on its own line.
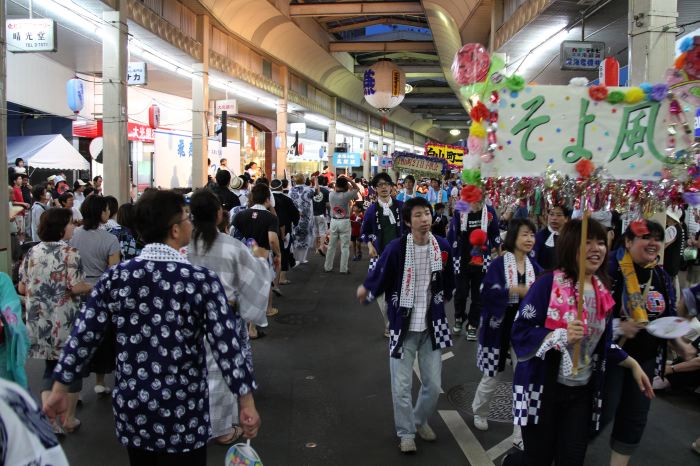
<point x="48" y="270"/>
<point x="161" y="307"/>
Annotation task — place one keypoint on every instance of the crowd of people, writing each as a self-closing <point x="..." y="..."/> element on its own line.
<point x="166" y="293"/>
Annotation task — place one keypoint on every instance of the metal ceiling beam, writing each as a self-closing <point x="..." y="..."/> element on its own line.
<point x="451" y="112"/>
<point x="374" y="22"/>
<point x="409" y="100"/>
<point x="432" y="90"/>
<point x="434" y="69"/>
<point x="395" y="46"/>
<point x="355" y="9"/>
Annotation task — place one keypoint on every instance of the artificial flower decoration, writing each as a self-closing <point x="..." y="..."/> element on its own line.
<point x="578" y="82"/>
<point x="585" y="167"/>
<point x="639" y="228"/>
<point x="658" y="92"/>
<point x="692" y="62"/>
<point x="494" y="97"/>
<point x="475" y="144"/>
<point x="615" y="97"/>
<point x="515" y="83"/>
<point x="646" y="87"/>
<point x="471" y="194"/>
<point x="472" y="176"/>
<point x="598" y="92"/>
<point x="477" y="130"/>
<point x="479" y="112"/>
<point x="634" y="95"/>
<point x="679" y="62"/>
<point x="477" y="239"/>
<point x="444" y="256"/>
<point x="686" y="44"/>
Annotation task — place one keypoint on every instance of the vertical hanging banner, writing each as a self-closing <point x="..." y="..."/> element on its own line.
<point x="624" y="131"/>
<point x="453" y="155"/>
<point x="395" y="83"/>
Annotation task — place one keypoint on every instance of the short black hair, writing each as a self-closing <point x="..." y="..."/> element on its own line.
<point x="263" y="180"/>
<point x="381" y="176"/>
<point x="342" y="183"/>
<point x="439" y="206"/>
<point x="126" y="216"/>
<point x="88" y="190"/>
<point x="53" y="223"/>
<point x="285" y="183"/>
<point x="564" y="210"/>
<point x="63" y="198"/>
<point x="95" y="178"/>
<point x="113" y="205"/>
<point x="38" y="192"/>
<point x="322" y="180"/>
<point x="410" y="177"/>
<point x="18" y="160"/>
<point x="410" y="204"/>
<point x="155" y="212"/>
<point x="223" y="178"/>
<point x="514" y="230"/>
<point x="91" y="209"/>
<point x="260" y="193"/>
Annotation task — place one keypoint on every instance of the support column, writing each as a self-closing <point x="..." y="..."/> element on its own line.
<point x="332" y="135"/>
<point x="115" y="116"/>
<point x="280" y="163"/>
<point x="392" y="147"/>
<point x="200" y="107"/>
<point x="367" y="161"/>
<point x="652" y="39"/>
<point x="5" y="256"/>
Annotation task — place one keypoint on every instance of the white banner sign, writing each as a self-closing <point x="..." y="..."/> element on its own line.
<point x="312" y="150"/>
<point x="31" y="35"/>
<point x="136" y="73"/>
<point x="560" y="125"/>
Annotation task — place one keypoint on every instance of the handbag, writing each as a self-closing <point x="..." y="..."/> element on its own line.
<point x="242" y="454"/>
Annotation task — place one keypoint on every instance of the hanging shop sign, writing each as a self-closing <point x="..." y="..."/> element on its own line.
<point x="418" y="164"/>
<point x="297" y="128"/>
<point x="137" y="73"/>
<point x="31" y="35"/>
<point x="347" y="159"/>
<point x="453" y="155"/>
<point x="139" y="132"/>
<point x="313" y="151"/>
<point x="581" y="55"/>
<point x="616" y="128"/>
<point x="229" y="106"/>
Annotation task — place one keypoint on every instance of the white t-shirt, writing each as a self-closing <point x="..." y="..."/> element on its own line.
<point x="25" y="435"/>
<point x="420" y="303"/>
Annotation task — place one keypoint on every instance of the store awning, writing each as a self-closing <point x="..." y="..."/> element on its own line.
<point x="45" y="151"/>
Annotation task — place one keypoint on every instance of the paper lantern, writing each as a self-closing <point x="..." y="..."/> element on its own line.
<point x="154" y="116"/>
<point x="385" y="85"/>
<point x="278" y="142"/>
<point x="75" y="94"/>
<point x="609" y="72"/>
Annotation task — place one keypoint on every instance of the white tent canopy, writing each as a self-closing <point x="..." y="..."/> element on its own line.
<point x="45" y="151"/>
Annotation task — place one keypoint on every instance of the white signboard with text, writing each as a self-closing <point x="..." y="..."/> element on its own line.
<point x="137" y="73"/>
<point x="31" y="35"/>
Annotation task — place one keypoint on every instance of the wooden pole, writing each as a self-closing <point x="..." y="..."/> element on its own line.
<point x="581" y="280"/>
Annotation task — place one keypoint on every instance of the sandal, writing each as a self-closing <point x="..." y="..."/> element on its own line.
<point x="232" y="437"/>
<point x="260" y="334"/>
<point x="72" y="428"/>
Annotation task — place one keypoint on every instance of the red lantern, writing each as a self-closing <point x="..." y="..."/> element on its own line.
<point x="301" y="149"/>
<point x="154" y="116"/>
<point x="609" y="72"/>
<point x="252" y="143"/>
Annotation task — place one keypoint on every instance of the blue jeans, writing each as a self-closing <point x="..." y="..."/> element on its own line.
<point x="406" y="416"/>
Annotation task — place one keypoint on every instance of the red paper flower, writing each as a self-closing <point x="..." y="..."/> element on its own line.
<point x="471" y="194"/>
<point x="598" y="92"/>
<point x="585" y="167"/>
<point x="479" y="112"/>
<point x="639" y="228"/>
<point x="692" y="62"/>
<point x="445" y="256"/>
<point x="477" y="237"/>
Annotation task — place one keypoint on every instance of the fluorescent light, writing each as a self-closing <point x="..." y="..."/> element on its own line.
<point x="455" y="132"/>
<point x="69" y="12"/>
<point x="319" y="120"/>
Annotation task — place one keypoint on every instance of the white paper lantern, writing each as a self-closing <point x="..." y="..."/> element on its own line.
<point x="385" y="85"/>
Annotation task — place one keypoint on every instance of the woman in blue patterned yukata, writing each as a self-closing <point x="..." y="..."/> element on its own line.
<point x="556" y="405"/>
<point x="162" y="308"/>
<point x="303" y="236"/>
<point x="507" y="281"/>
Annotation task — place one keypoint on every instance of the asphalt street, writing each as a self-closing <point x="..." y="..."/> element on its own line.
<point x="325" y="396"/>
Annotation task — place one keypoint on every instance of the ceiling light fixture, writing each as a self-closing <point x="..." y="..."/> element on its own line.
<point x="409" y="88"/>
<point x="455" y="132"/>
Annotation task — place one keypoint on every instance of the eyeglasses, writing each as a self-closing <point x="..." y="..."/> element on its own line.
<point x="187" y="217"/>
<point x="383" y="185"/>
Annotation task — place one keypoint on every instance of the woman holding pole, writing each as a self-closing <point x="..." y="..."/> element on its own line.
<point x="563" y="351"/>
<point x="643" y="292"/>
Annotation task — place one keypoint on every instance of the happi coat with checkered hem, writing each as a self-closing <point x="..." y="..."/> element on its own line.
<point x="461" y="247"/>
<point x="529" y="382"/>
<point x="494" y="297"/>
<point x="386" y="277"/>
<point x="372" y="227"/>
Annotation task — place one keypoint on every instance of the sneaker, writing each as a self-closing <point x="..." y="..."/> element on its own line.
<point x="471" y="333"/>
<point x="457" y="328"/>
<point x="481" y="423"/>
<point x="407" y="445"/>
<point x="102" y="390"/>
<point x="426" y="433"/>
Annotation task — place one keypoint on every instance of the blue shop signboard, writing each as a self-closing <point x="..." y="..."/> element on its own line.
<point x="347" y="159"/>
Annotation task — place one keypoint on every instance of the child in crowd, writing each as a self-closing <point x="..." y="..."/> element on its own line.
<point x="356" y="219"/>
